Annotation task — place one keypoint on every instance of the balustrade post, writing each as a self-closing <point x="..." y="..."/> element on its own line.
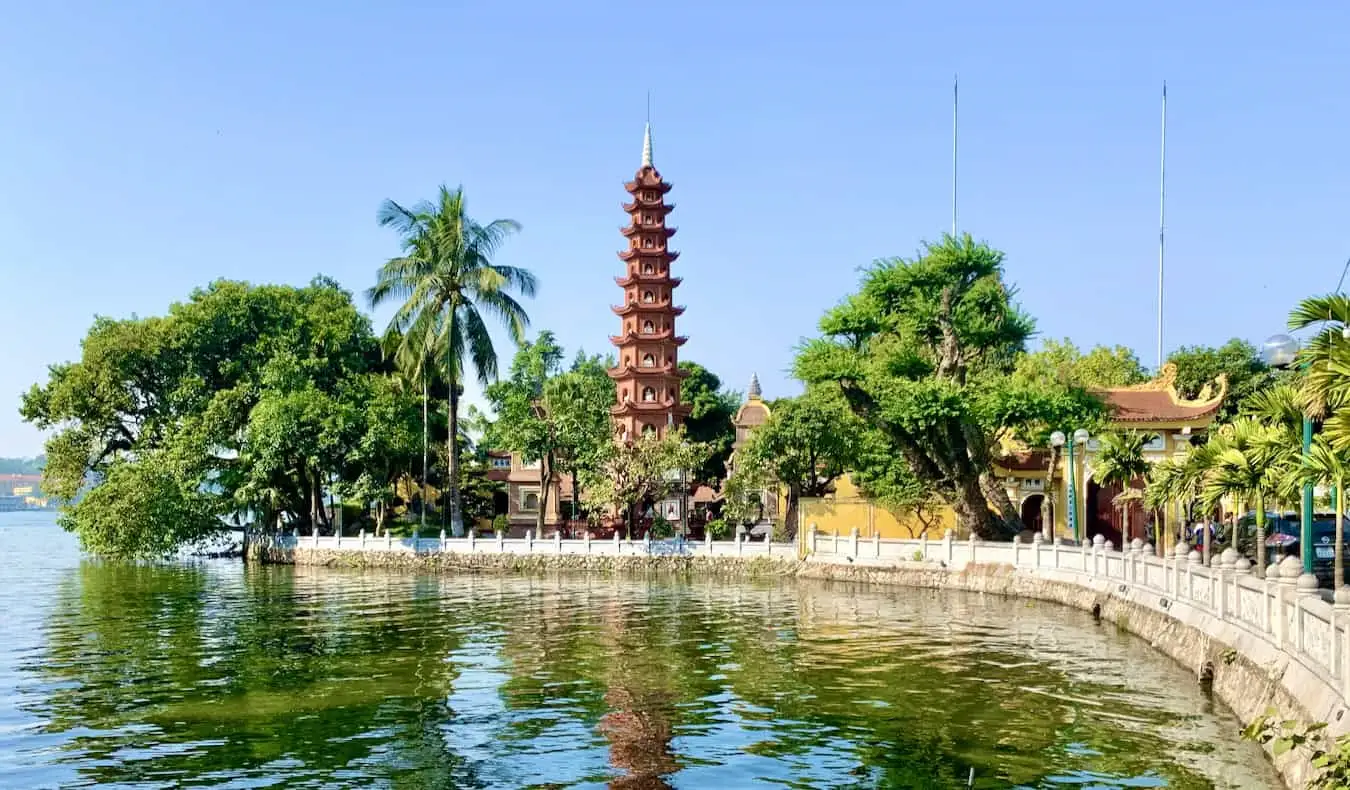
<point x="586" y="541"/>
<point x="529" y="541"/>
<point x="1036" y="540"/>
<point x="1016" y="546"/>
<point x="812" y="534"/>
<point x="1098" y="543"/>
<point x="618" y="547"/>
<point x="834" y="541"/>
<point x="972" y="541"/>
<point x="1178" y="567"/>
<point x="473" y="539"/>
<point x="557" y="541"/>
<point x="947" y="546"/>
<point x="740" y="543"/>
<point x="388" y="540"/>
<point x="923" y="545"/>
<point x="1340" y="642"/>
<point x="876" y="545"/>
<point x="853" y="543"/>
<point x="363" y="537"/>
<point x="707" y="540"/>
<point x="501" y="541"/>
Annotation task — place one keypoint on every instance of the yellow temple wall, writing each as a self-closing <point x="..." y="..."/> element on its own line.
<point x="848" y="508"/>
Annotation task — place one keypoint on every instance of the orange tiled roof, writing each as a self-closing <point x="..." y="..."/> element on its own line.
<point x="1159" y="401"/>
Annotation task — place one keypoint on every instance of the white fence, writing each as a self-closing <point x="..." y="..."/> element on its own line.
<point x="530" y="545"/>
<point x="1278" y="609"/>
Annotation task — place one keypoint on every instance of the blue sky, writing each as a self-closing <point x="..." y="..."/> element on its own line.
<point x="150" y="147"/>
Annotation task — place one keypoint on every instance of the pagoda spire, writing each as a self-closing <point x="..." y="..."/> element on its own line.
<point x="647" y="146"/>
<point x="754" y="393"/>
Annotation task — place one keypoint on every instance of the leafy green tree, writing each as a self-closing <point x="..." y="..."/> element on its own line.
<point x="709" y="421"/>
<point x="250" y="395"/>
<point x="579" y="401"/>
<point x="1121" y="462"/>
<point x="1238" y="360"/>
<point x="143" y="508"/>
<point x="924" y="352"/>
<point x="1327" y="466"/>
<point x="445" y="280"/>
<point x="640" y="472"/>
<point x="526" y="422"/>
<point x="387" y="448"/>
<point x="807" y="443"/>
<point x="1060" y="362"/>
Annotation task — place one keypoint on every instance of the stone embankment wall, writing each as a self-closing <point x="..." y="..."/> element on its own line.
<point x="1261" y="642"/>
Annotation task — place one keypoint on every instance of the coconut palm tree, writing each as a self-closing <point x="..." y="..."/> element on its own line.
<point x="445" y="281"/>
<point x="1121" y="461"/>
<point x="1250" y="463"/>
<point x="1327" y="466"/>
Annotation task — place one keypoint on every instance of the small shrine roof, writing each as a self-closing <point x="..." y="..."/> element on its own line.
<point x="1158" y="401"/>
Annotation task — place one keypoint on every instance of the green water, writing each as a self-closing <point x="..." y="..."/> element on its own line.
<point x="218" y="675"/>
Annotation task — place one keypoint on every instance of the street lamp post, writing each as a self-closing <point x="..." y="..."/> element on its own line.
<point x="1058" y="439"/>
<point x="1280" y="351"/>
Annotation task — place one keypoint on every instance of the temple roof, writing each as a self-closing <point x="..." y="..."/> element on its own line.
<point x="1158" y="401"/>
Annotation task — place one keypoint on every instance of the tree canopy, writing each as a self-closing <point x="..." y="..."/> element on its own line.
<point x="1060" y="362"/>
<point x="1238" y="360"/>
<point x="924" y="352"/>
<point x="243" y="400"/>
<point x="709" y="421"/>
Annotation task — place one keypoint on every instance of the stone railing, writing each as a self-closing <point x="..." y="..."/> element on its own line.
<point x="1283" y="609"/>
<point x="553" y="544"/>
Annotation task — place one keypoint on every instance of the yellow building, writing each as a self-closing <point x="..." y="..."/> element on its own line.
<point x="1155" y="408"/>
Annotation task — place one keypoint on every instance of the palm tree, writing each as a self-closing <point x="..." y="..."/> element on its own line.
<point x="1327" y="466"/>
<point x="1250" y="462"/>
<point x="445" y="280"/>
<point x="1166" y="486"/>
<point x="1121" y="461"/>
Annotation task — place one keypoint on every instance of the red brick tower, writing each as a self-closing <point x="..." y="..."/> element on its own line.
<point x="647" y="376"/>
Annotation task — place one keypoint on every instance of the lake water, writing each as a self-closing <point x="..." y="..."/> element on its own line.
<point x="219" y="675"/>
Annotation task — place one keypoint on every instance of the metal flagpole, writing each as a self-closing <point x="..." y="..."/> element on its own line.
<point x="1162" y="222"/>
<point x="955" y="102"/>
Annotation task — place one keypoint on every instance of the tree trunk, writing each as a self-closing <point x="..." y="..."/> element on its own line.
<point x="790" y="513"/>
<point x="996" y="495"/>
<point x="426" y="444"/>
<point x="452" y="463"/>
<point x="972" y="512"/>
<point x="1260" y="535"/>
<point x="1339" y="564"/>
<point x="576" y="495"/>
<point x="543" y="497"/>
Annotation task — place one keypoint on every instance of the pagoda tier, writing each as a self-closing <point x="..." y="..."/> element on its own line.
<point x="667" y="337"/>
<point x="647" y="378"/>
<point x="652" y="252"/>
<point x="634" y="230"/>
<point x="635" y="371"/>
<point x="662" y="308"/>
<point x="651" y="205"/>
<point x="636" y="277"/>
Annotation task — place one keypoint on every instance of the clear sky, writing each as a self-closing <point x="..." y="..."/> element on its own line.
<point x="150" y="147"/>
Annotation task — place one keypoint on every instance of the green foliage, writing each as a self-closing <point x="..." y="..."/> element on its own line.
<point x="642" y="471"/>
<point x="807" y="443"/>
<point x="258" y="397"/>
<point x="143" y="509"/>
<point x="718" y="529"/>
<point x="1060" y="362"/>
<point x="1238" y="360"/>
<point x="924" y="353"/>
<point x="500" y="523"/>
<point x="661" y="528"/>
<point x="1330" y="758"/>
<point x="446" y="280"/>
<point x="709" y="421"/>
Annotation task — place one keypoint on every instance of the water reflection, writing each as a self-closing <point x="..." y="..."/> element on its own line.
<point x="217" y="675"/>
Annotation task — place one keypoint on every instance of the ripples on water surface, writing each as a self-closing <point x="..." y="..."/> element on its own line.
<point x="216" y="675"/>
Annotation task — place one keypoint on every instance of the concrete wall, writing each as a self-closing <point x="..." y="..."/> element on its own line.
<point x="1261" y="642"/>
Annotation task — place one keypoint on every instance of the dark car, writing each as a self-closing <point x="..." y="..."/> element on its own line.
<point x="1283" y="534"/>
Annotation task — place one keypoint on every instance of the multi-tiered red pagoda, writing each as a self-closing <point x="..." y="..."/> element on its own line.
<point x="648" y="375"/>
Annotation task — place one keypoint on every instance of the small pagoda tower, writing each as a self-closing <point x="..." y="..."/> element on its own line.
<point x="647" y="376"/>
